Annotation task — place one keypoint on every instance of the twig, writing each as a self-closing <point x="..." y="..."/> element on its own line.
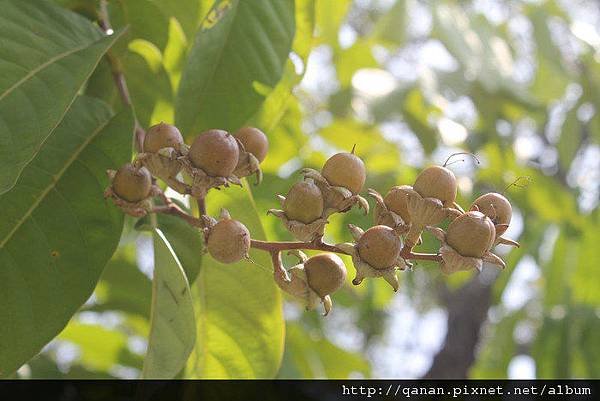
<point x="286" y="246"/>
<point x="117" y="72"/>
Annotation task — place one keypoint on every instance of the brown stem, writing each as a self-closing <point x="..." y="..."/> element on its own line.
<point x="274" y="248"/>
<point x="289" y="245"/>
<point x="118" y="76"/>
<point x="201" y="206"/>
<point x="174" y="210"/>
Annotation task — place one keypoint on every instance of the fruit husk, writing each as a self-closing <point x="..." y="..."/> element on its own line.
<point x="437" y="182"/>
<point x="336" y="199"/>
<point x="471" y="234"/>
<point x="254" y="142"/>
<point x="228" y="241"/>
<point x="215" y="152"/>
<point x="345" y="170"/>
<point x="325" y="273"/>
<point x="304" y="202"/>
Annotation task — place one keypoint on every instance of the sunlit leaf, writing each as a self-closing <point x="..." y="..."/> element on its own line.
<point x="173" y="326"/>
<point x="238" y="306"/>
<point x="237" y="58"/>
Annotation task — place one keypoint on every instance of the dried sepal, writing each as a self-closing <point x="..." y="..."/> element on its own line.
<point x="201" y="182"/>
<point x="382" y="215"/>
<point x="336" y="199"/>
<point x="453" y="262"/>
<point x="294" y="282"/>
<point x="247" y="165"/>
<point x="365" y="270"/>
<point x="424" y="212"/>
<point x="166" y="164"/>
<point x="301" y="231"/>
<point x="135" y="209"/>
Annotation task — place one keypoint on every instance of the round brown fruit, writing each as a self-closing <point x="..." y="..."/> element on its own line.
<point x="304" y="202"/>
<point x="471" y="234"/>
<point x="495" y="206"/>
<point x="325" y="273"/>
<point x="379" y="247"/>
<point x="255" y="141"/>
<point x="131" y="183"/>
<point x="162" y="136"/>
<point x="437" y="182"/>
<point x="216" y="152"/>
<point x="345" y="170"/>
<point x="396" y="201"/>
<point x="228" y="241"/>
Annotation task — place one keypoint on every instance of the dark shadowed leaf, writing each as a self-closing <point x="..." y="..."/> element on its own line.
<point x="38" y="86"/>
<point x="58" y="232"/>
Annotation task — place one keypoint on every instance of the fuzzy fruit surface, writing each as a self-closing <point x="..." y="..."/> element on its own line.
<point x="495" y="206"/>
<point x="345" y="170"/>
<point x="255" y="141"/>
<point x="326" y="273"/>
<point x="437" y="182"/>
<point x="229" y="241"/>
<point x="162" y="136"/>
<point x="216" y="152"/>
<point x="131" y="183"/>
<point x="471" y="234"/>
<point x="396" y="201"/>
<point x="379" y="247"/>
<point x="304" y="202"/>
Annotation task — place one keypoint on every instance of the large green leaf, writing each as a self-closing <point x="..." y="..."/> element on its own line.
<point x="238" y="56"/>
<point x="122" y="286"/>
<point x="309" y="355"/>
<point x="238" y="306"/>
<point x="173" y="326"/>
<point x="57" y="231"/>
<point x="100" y="348"/>
<point x="46" y="55"/>
<point x="187" y="241"/>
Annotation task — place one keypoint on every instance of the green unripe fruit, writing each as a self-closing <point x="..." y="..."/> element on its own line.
<point x="228" y="241"/>
<point x="255" y="141"/>
<point x="131" y="183"/>
<point x="216" y="152"/>
<point x="437" y="182"/>
<point x="304" y="202"/>
<point x="345" y="170"/>
<point x="380" y="247"/>
<point x="326" y="273"/>
<point x="471" y="234"/>
<point x="161" y="136"/>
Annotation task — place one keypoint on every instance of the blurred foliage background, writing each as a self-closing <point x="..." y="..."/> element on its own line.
<point x="515" y="82"/>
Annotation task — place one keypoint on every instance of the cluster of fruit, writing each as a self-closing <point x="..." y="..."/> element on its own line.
<point x="217" y="159"/>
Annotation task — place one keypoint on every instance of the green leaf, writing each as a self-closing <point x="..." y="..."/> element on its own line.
<point x="100" y="348"/>
<point x="123" y="287"/>
<point x="58" y="232"/>
<point x="173" y="326"/>
<point x="309" y="356"/>
<point x="187" y="241"/>
<point x="570" y="139"/>
<point x="391" y="27"/>
<point x="46" y="55"/>
<point x="238" y="306"/>
<point x="189" y="13"/>
<point x="238" y="56"/>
